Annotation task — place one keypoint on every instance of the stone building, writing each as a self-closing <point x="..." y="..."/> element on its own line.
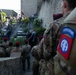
<point x="44" y="8"/>
<point x="48" y="8"/>
<point x="9" y="12"/>
<point x="28" y="7"/>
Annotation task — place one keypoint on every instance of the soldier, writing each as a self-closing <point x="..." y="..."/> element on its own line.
<point x="50" y="46"/>
<point x="36" y="54"/>
<point x="26" y="54"/>
<point x="5" y="44"/>
<point x="17" y="48"/>
<point x="66" y="48"/>
<point x="8" y="50"/>
<point x="2" y="53"/>
<point x="46" y="64"/>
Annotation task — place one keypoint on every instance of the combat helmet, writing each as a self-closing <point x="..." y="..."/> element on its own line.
<point x="66" y="49"/>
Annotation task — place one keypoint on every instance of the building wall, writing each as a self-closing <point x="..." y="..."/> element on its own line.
<point x="9" y="12"/>
<point x="47" y="10"/>
<point x="29" y="7"/>
<point x="46" y="13"/>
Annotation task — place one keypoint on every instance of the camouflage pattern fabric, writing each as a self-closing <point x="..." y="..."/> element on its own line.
<point x="8" y="50"/>
<point x="16" y="49"/>
<point x="35" y="54"/>
<point x="26" y="50"/>
<point x="47" y="46"/>
<point x="57" y="68"/>
<point x="46" y="67"/>
<point x="2" y="53"/>
<point x="5" y="44"/>
<point x="26" y="55"/>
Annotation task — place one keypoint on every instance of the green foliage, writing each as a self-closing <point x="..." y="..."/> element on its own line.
<point x="14" y="21"/>
<point x="3" y="16"/>
<point x="20" y="39"/>
<point x="39" y="30"/>
<point x="37" y="26"/>
<point x="25" y="20"/>
<point x="25" y="29"/>
<point x="12" y="40"/>
<point x="37" y="22"/>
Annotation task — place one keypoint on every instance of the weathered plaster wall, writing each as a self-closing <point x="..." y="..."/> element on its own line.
<point x="10" y="66"/>
<point x="47" y="11"/>
<point x="29" y="7"/>
<point x="44" y="9"/>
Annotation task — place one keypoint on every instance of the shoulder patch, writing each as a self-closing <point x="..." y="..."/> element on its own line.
<point x="66" y="40"/>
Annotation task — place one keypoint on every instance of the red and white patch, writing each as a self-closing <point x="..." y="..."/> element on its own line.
<point x="65" y="43"/>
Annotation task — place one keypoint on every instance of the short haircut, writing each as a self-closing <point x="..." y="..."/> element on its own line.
<point x="72" y="3"/>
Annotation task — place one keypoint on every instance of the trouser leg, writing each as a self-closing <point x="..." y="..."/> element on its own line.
<point x="28" y="62"/>
<point x="35" y="69"/>
<point x="23" y="65"/>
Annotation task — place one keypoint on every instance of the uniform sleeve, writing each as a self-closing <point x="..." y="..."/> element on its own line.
<point x="48" y="40"/>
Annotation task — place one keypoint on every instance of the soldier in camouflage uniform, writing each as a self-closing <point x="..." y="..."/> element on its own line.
<point x="51" y="39"/>
<point x="46" y="64"/>
<point x="26" y="55"/>
<point x="9" y="49"/>
<point x="2" y="53"/>
<point x="66" y="55"/>
<point x="36" y="55"/>
<point x="5" y="44"/>
<point x="17" y="48"/>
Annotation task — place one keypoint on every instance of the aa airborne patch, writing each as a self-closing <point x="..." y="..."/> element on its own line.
<point x="65" y="42"/>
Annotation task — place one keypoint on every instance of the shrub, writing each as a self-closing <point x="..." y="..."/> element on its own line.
<point x="20" y="39"/>
<point x="25" y="29"/>
<point x="3" y="16"/>
<point x="14" y="21"/>
<point x="39" y="31"/>
<point x="37" y="22"/>
<point x="25" y="20"/>
<point x="12" y="40"/>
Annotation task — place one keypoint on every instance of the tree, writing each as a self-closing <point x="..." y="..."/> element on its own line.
<point x="3" y="16"/>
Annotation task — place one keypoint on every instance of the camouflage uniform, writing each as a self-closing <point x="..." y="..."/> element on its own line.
<point x="67" y="63"/>
<point x="2" y="53"/>
<point x="16" y="49"/>
<point x="26" y="55"/>
<point x="49" y="49"/>
<point x="5" y="44"/>
<point x="37" y="54"/>
<point x="35" y="66"/>
<point x="8" y="50"/>
<point x="57" y="67"/>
